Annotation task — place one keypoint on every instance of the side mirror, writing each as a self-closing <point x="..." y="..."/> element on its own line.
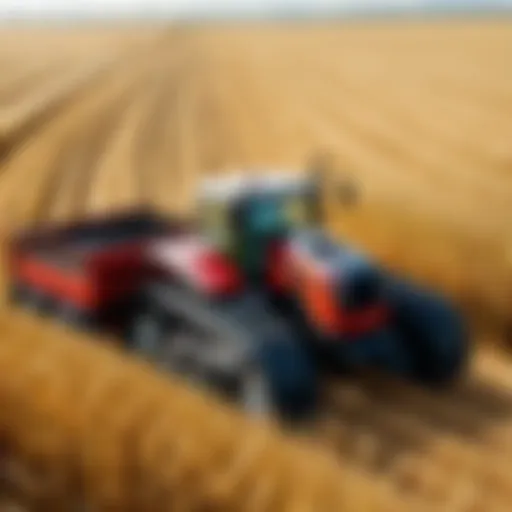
<point x="342" y="188"/>
<point x="347" y="193"/>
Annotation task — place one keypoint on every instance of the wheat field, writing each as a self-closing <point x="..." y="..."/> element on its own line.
<point x="420" y="113"/>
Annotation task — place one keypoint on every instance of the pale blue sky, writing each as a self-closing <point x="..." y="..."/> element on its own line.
<point x="50" y="8"/>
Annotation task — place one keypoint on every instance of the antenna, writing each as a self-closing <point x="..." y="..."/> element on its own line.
<point x="322" y="171"/>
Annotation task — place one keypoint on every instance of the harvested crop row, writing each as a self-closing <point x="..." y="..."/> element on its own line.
<point x="115" y="435"/>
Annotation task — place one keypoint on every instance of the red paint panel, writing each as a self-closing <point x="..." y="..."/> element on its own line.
<point x="278" y="267"/>
<point x="316" y="294"/>
<point x="326" y="313"/>
<point x="217" y="275"/>
<point x="72" y="287"/>
<point x="103" y="278"/>
<point x="118" y="272"/>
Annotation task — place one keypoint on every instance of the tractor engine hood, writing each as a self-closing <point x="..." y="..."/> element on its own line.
<point x="191" y="260"/>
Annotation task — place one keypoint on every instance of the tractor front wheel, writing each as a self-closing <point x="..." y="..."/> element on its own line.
<point x="434" y="333"/>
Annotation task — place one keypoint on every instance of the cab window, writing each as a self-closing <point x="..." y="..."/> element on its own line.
<point x="266" y="215"/>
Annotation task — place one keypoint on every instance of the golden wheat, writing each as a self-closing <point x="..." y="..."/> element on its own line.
<point x="80" y="423"/>
<point x="420" y="114"/>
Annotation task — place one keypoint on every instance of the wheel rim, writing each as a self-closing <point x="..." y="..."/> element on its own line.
<point x="175" y="356"/>
<point x="255" y="394"/>
<point x="146" y="336"/>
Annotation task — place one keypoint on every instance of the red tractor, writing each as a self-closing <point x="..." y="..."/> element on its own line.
<point x="253" y="299"/>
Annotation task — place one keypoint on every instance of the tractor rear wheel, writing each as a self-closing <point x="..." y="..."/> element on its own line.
<point x="29" y="299"/>
<point x="433" y="331"/>
<point x="16" y="293"/>
<point x="291" y="375"/>
<point x="145" y="334"/>
<point x="278" y="378"/>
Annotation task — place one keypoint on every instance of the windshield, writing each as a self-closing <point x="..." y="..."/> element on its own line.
<point x="269" y="214"/>
<point x="266" y="215"/>
<point x="261" y="220"/>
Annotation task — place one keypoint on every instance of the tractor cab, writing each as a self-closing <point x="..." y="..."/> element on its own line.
<point x="246" y="215"/>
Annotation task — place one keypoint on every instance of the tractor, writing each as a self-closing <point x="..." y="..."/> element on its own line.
<point x="252" y="298"/>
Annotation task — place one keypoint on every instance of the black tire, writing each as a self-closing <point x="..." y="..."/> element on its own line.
<point x="291" y="378"/>
<point x="74" y="318"/>
<point x="280" y="380"/>
<point x="434" y="331"/>
<point x="43" y="304"/>
<point x="383" y="350"/>
<point x="145" y="334"/>
<point x="245" y="386"/>
<point x="254" y="394"/>
<point x="30" y="299"/>
<point x="16" y="293"/>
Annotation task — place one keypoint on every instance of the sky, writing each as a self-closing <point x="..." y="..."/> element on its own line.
<point x="171" y="8"/>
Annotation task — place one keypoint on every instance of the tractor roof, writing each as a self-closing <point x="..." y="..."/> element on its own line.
<point x="234" y="184"/>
